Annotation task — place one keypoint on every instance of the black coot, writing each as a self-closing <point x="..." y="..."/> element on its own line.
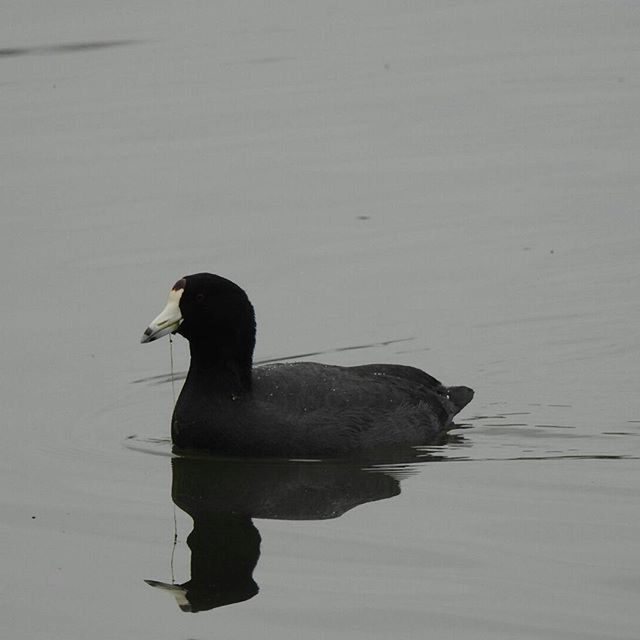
<point x="302" y="409"/>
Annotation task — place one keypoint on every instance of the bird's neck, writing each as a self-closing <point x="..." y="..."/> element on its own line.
<point x="219" y="368"/>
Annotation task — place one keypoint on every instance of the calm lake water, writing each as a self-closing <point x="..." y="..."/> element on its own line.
<point x="449" y="185"/>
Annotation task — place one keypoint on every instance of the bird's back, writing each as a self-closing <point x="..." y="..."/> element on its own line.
<point x="345" y="409"/>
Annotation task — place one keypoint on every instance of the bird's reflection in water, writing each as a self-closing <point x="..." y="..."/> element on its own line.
<point x="224" y="495"/>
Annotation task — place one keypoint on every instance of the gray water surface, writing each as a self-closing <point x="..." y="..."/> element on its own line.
<point x="448" y="185"/>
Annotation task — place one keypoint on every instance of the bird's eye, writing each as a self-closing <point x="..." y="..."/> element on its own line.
<point x="199" y="297"/>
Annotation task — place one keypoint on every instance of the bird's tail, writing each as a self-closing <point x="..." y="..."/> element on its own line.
<point x="460" y="396"/>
